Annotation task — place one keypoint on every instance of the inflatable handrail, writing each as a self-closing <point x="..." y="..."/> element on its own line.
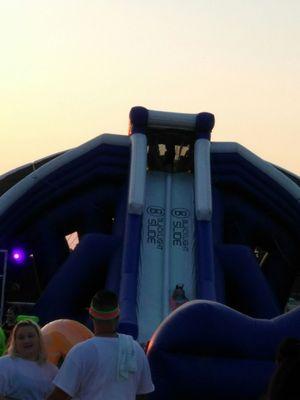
<point x="258" y="338"/>
<point x="141" y="119"/>
<point x="210" y="349"/>
<point x="203" y="197"/>
<point x="164" y="119"/>
<point x="138" y="168"/>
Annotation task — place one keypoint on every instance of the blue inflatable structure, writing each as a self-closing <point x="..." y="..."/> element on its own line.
<point x="199" y="239"/>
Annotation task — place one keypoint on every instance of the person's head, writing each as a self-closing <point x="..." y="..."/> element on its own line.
<point x="178" y="292"/>
<point x="11" y="314"/>
<point x="104" y="311"/>
<point x="26" y="342"/>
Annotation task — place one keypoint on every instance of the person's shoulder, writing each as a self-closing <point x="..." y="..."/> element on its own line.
<point x="6" y="360"/>
<point x="136" y="344"/>
<point x="86" y="343"/>
<point x="129" y="337"/>
<point x="139" y="348"/>
<point x="82" y="347"/>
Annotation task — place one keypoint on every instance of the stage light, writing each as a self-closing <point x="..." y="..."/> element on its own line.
<point x="18" y="255"/>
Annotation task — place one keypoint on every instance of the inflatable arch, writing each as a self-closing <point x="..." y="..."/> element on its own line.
<point x="163" y="216"/>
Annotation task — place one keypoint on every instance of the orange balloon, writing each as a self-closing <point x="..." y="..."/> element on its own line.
<point x="61" y="335"/>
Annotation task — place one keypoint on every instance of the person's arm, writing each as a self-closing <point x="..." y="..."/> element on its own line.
<point x="67" y="381"/>
<point x="145" y="384"/>
<point x="58" y="394"/>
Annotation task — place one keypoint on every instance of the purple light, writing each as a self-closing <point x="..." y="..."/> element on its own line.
<point x="18" y="255"/>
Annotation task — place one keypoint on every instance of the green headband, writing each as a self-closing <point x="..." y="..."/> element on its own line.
<point x="104" y="315"/>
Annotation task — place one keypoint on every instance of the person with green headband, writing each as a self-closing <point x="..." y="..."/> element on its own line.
<point x="109" y="365"/>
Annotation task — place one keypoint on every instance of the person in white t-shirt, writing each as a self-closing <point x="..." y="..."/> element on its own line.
<point x="25" y="373"/>
<point x="109" y="366"/>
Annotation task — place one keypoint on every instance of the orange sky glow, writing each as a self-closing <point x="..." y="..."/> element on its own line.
<point x="72" y="69"/>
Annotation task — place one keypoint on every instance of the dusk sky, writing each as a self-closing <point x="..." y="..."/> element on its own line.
<point x="72" y="69"/>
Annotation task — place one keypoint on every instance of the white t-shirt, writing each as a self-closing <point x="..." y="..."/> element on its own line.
<point x="26" y="380"/>
<point x="89" y="372"/>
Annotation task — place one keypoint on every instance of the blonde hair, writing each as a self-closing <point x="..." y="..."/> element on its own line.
<point x="12" y="350"/>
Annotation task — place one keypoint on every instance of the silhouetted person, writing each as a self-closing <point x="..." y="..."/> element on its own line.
<point x="178" y="297"/>
<point x="285" y="383"/>
<point x="11" y="319"/>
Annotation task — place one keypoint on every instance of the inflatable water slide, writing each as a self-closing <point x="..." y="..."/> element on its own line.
<point x="200" y="240"/>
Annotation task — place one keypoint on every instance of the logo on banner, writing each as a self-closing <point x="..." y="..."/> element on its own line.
<point x="156" y="226"/>
<point x="156" y="211"/>
<point x="180" y="213"/>
<point x="180" y="228"/>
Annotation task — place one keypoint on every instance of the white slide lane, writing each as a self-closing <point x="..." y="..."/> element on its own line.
<point x="167" y="247"/>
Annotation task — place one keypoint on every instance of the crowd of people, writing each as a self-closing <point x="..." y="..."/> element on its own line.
<point x="108" y="366"/>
